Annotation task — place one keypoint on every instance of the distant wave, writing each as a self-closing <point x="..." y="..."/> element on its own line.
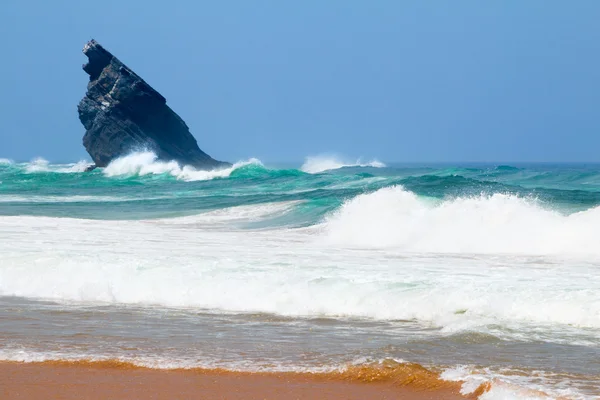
<point x="146" y="163"/>
<point x="38" y="165"/>
<point x="321" y="163"/>
<point x="4" y="161"/>
<point x="498" y="223"/>
<point x="41" y="165"/>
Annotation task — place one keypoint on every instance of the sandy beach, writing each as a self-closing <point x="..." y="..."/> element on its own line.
<point x="113" y="380"/>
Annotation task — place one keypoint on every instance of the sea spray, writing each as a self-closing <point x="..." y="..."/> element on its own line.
<point x="38" y="165"/>
<point x="146" y="163"/>
<point x="321" y="163"/>
<point x="41" y="165"/>
<point x="488" y="224"/>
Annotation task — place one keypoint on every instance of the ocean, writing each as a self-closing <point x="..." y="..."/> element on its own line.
<point x="479" y="272"/>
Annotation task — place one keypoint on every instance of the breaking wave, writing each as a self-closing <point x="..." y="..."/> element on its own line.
<point x="41" y="165"/>
<point x="488" y="224"/>
<point x="162" y="262"/>
<point x="321" y="163"/>
<point x="146" y="163"/>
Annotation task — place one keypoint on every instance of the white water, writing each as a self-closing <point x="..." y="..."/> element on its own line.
<point x="499" y="265"/>
<point x="533" y="385"/>
<point x="499" y="224"/>
<point x="201" y="261"/>
<point x="146" y="163"/>
<point x="321" y="163"/>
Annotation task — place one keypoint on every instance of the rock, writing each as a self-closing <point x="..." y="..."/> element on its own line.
<point x="123" y="114"/>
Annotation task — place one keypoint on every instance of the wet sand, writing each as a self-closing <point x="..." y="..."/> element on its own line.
<point x="113" y="380"/>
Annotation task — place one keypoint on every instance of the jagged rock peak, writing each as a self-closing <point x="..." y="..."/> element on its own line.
<point x="123" y="114"/>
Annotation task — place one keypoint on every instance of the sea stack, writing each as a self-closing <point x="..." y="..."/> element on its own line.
<point x="123" y="114"/>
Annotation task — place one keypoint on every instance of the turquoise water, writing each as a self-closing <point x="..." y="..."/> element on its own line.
<point x="62" y="191"/>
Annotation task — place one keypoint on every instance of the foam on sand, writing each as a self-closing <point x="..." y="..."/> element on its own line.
<point x="511" y="385"/>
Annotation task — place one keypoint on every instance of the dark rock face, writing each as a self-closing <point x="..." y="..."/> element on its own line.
<point x="122" y="114"/>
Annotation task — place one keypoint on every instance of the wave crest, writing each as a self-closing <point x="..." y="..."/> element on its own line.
<point x="321" y="163"/>
<point x="146" y="163"/>
<point x="498" y="223"/>
<point x="39" y="164"/>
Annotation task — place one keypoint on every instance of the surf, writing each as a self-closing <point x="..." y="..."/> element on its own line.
<point x="498" y="223"/>
<point x="428" y="258"/>
<point x="41" y="165"/>
<point x="146" y="163"/>
<point x="322" y="163"/>
<point x="179" y="263"/>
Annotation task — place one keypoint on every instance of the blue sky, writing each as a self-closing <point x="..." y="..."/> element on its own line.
<point x="432" y="81"/>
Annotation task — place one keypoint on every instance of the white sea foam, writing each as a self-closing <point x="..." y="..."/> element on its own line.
<point x="508" y="385"/>
<point x="233" y="214"/>
<point x="146" y="163"/>
<point x="37" y="165"/>
<point x="321" y="163"/>
<point x="159" y="362"/>
<point x="79" y="166"/>
<point x="200" y="261"/>
<point x="5" y="161"/>
<point x="498" y="224"/>
<point x="500" y="391"/>
<point x="148" y="361"/>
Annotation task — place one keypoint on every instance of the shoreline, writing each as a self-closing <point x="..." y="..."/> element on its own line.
<point x="114" y="379"/>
